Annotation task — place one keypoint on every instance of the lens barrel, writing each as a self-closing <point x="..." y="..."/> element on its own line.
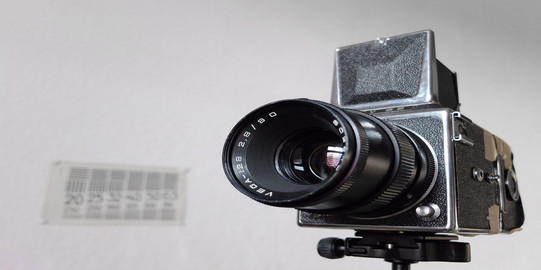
<point x="317" y="157"/>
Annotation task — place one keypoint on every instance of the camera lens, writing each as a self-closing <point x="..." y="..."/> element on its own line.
<point x="323" y="159"/>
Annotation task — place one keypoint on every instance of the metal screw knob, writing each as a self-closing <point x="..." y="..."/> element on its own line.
<point x="331" y="248"/>
<point x="478" y="174"/>
<point x="428" y="212"/>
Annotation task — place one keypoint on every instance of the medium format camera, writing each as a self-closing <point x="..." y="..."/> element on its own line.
<point x="391" y="153"/>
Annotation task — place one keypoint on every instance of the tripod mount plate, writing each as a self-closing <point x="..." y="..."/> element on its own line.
<point x="397" y="248"/>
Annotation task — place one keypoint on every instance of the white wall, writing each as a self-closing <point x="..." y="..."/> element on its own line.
<point x="163" y="82"/>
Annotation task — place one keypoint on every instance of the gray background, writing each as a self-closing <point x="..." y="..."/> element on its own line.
<point x="162" y="83"/>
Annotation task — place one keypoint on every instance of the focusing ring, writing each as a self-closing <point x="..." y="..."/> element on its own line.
<point x="403" y="176"/>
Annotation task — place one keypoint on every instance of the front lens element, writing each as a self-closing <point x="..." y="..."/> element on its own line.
<point x="325" y="160"/>
<point x="309" y="157"/>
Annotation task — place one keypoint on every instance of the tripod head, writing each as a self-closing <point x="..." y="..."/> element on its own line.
<point x="400" y="249"/>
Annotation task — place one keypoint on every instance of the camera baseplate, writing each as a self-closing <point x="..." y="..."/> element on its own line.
<point x="400" y="249"/>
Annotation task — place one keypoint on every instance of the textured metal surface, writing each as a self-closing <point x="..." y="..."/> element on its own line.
<point x="474" y="197"/>
<point x="393" y="71"/>
<point x="381" y="70"/>
<point x="476" y="200"/>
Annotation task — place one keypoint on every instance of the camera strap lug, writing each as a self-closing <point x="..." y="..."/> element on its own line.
<point x="459" y="129"/>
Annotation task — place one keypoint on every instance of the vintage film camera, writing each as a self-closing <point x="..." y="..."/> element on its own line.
<point x="392" y="153"/>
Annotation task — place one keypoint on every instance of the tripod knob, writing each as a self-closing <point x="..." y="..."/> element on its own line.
<point x="331" y="248"/>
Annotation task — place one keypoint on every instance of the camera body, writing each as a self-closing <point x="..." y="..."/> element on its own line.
<point x="393" y="130"/>
<point x="475" y="186"/>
